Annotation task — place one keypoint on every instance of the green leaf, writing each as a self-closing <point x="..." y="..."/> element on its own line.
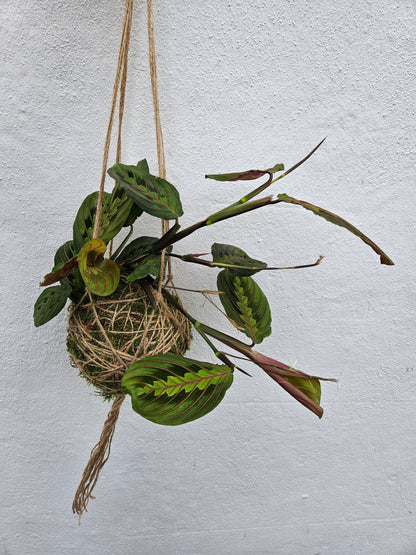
<point x="246" y="175"/>
<point x="134" y="213"/>
<point x="50" y="303"/>
<point x="235" y="260"/>
<point x="245" y="304"/>
<point x="115" y="214"/>
<point x="138" y="262"/>
<point x="311" y="387"/>
<point x="152" y="194"/>
<point x="171" y="390"/>
<point x="236" y="209"/>
<point x="136" y="249"/>
<point x="337" y="220"/>
<point x="65" y="253"/>
<point x="101" y="276"/>
<point x="113" y="217"/>
<point x="84" y="220"/>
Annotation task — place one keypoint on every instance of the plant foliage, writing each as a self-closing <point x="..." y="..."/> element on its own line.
<point x="171" y="389"/>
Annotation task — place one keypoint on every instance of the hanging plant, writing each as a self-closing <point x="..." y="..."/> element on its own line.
<point x="128" y="333"/>
<point x="128" y="330"/>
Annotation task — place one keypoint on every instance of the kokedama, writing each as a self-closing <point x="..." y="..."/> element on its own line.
<point x="128" y="331"/>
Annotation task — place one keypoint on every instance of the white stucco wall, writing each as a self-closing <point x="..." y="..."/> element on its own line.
<point x="242" y="84"/>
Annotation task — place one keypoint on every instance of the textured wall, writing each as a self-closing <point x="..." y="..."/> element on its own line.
<point x="242" y="84"/>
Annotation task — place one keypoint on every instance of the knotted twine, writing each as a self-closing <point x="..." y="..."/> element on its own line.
<point x="101" y="451"/>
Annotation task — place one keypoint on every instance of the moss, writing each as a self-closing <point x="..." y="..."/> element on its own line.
<point x="86" y="343"/>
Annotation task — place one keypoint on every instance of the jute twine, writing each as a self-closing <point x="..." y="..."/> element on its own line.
<point x="108" y="334"/>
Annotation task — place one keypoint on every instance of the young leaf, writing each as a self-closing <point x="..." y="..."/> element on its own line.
<point x="337" y="220"/>
<point x="50" y="303"/>
<point x="101" y="276"/>
<point x="228" y="254"/>
<point x="246" y="175"/>
<point x="245" y="304"/>
<point x="171" y="390"/>
<point x="152" y="194"/>
<point x="305" y="390"/>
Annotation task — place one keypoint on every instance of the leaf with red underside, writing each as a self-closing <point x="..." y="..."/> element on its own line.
<point x="61" y="273"/>
<point x="337" y="220"/>
<point x="246" y="175"/>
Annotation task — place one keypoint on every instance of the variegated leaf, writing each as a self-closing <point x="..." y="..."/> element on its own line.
<point x="137" y="262"/>
<point x="101" y="276"/>
<point x="171" y="390"/>
<point x="113" y="216"/>
<point x="152" y="194"/>
<point x="235" y="260"/>
<point x="245" y="304"/>
<point x="50" y="303"/>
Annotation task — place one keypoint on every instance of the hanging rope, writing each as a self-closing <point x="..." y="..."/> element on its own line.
<point x="159" y="134"/>
<point x="98" y="458"/>
<point x="121" y="77"/>
<point x="101" y="451"/>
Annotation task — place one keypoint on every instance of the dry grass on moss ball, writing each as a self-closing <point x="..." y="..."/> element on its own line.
<point x="128" y="328"/>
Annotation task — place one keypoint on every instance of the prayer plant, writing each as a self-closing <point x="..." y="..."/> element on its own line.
<point x="169" y="388"/>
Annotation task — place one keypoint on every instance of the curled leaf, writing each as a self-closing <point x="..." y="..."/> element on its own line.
<point x="246" y="175"/>
<point x="101" y="276"/>
<point x="337" y="220"/>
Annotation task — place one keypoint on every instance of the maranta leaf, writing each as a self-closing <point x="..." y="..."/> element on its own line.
<point x="171" y="390"/>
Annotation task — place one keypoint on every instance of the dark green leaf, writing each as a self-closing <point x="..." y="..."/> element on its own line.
<point x="143" y="165"/>
<point x="74" y="280"/>
<point x="235" y="260"/>
<point x="136" y="248"/>
<point x="134" y="213"/>
<point x="149" y="266"/>
<point x="245" y="304"/>
<point x="337" y="220"/>
<point x="152" y="194"/>
<point x="113" y="216"/>
<point x="138" y="262"/>
<point x="84" y="221"/>
<point x="246" y="175"/>
<point x="170" y="389"/>
<point x="50" y="303"/>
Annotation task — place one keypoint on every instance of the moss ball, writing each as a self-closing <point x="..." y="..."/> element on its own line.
<point x="107" y="335"/>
